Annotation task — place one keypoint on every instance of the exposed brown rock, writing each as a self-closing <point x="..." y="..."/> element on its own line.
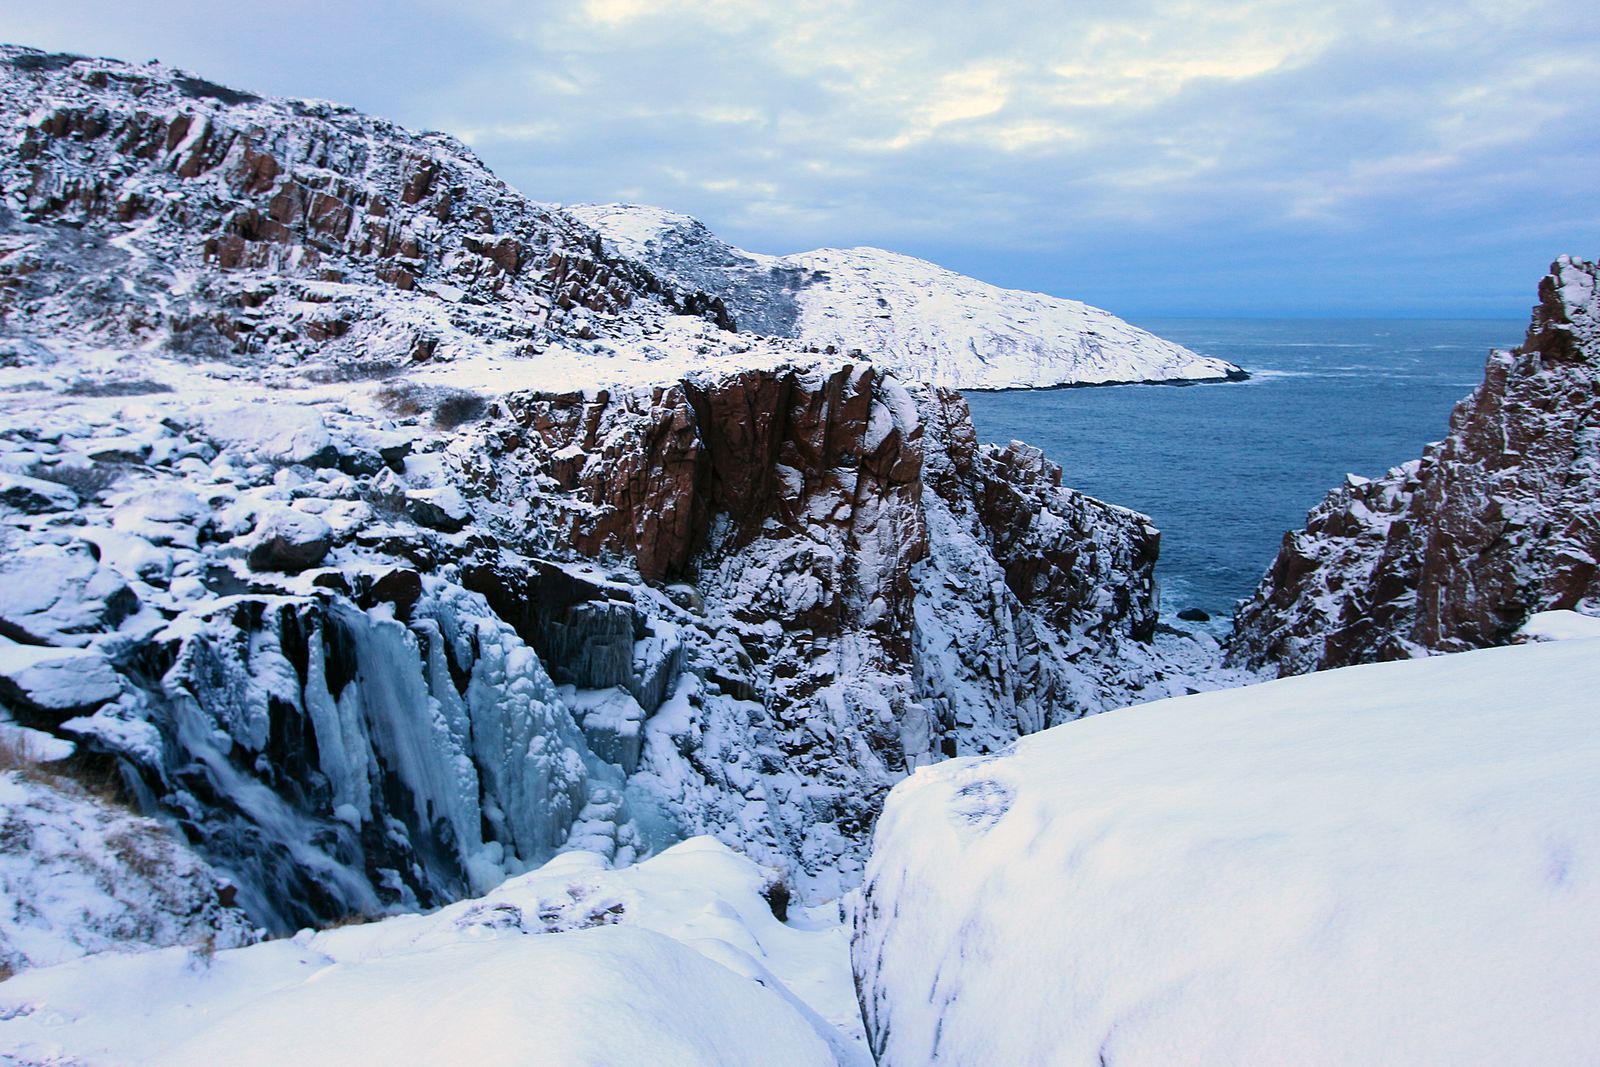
<point x="1455" y="550"/>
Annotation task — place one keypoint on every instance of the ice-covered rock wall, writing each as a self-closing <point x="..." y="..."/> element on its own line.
<point x="377" y="761"/>
<point x="1455" y="550"/>
<point x="338" y="725"/>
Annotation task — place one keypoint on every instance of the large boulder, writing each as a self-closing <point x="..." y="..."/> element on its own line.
<point x="56" y="683"/>
<point x="442" y="508"/>
<point x="35" y="496"/>
<point x="60" y="595"/>
<point x="288" y="540"/>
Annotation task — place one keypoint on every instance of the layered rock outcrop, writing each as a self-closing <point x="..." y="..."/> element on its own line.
<point x="144" y="205"/>
<point x="1455" y="550"/>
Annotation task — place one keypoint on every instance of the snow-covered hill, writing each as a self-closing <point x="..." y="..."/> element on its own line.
<point x="928" y="324"/>
<point x="1393" y="863"/>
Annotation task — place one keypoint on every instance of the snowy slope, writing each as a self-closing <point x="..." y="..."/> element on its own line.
<point x="926" y="323"/>
<point x="677" y="961"/>
<point x="79" y="875"/>
<point x="1396" y="863"/>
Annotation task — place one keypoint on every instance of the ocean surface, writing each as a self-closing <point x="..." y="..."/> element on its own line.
<point x="1225" y="469"/>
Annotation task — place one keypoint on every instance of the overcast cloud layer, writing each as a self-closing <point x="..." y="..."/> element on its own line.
<point x="1153" y="157"/>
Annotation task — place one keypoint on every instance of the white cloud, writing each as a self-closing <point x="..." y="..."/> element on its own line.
<point x="1023" y="124"/>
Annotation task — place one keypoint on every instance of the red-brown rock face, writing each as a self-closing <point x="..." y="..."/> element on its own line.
<point x="1455" y="550"/>
<point x="140" y="202"/>
<point x="758" y="455"/>
<point x="870" y="585"/>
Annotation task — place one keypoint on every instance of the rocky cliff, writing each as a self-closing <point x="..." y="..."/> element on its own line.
<point x="147" y="207"/>
<point x="864" y="588"/>
<point x="1455" y="550"/>
<point x="374" y="528"/>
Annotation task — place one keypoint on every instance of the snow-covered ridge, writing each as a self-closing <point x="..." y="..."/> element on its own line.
<point x="1392" y="863"/>
<point x="927" y="323"/>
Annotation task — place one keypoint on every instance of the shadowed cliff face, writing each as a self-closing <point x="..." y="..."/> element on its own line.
<point x="1455" y="550"/>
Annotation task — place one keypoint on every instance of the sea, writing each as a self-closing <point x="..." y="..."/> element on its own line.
<point x="1225" y="469"/>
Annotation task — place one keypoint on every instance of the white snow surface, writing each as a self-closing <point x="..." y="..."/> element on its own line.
<point x="675" y="961"/>
<point x="1559" y="626"/>
<point x="925" y="323"/>
<point x="1396" y="863"/>
<point x="934" y="325"/>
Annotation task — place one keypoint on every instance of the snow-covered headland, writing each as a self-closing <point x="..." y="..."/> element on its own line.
<point x="929" y="324"/>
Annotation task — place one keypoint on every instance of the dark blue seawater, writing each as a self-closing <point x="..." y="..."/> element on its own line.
<point x="1225" y="469"/>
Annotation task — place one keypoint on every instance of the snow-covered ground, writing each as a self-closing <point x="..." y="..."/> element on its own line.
<point x="1396" y="863"/>
<point x="677" y="961"/>
<point x="924" y="322"/>
<point x="80" y="875"/>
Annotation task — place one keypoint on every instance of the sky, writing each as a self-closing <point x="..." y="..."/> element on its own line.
<point x="1153" y="157"/>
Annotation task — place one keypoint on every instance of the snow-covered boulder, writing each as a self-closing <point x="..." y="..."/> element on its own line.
<point x="167" y="515"/>
<point x="276" y="434"/>
<point x="1557" y="626"/>
<point x="58" y="682"/>
<point x="442" y="508"/>
<point x="289" y="540"/>
<point x="60" y="595"/>
<point x="34" y="496"/>
<point x="1395" y="863"/>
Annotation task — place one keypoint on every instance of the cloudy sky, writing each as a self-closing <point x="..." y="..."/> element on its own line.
<point x="1155" y="157"/>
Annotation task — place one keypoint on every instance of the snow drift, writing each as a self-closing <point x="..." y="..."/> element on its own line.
<point x="1393" y="863"/>
<point x="677" y="961"/>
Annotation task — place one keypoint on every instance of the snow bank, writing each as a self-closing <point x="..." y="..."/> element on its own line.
<point x="1397" y="863"/>
<point x="1559" y="626"/>
<point x="675" y="961"/>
